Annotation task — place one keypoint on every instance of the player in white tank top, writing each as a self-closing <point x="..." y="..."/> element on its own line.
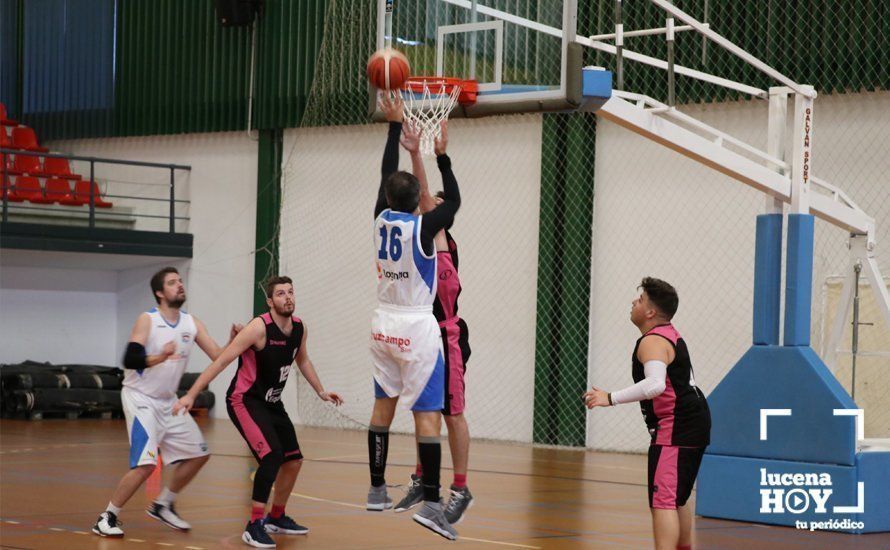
<point x="406" y="344"/>
<point x="406" y="275"/>
<point x="157" y="355"/>
<point x="162" y="380"/>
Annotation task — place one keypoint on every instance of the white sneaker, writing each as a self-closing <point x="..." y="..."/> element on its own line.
<point x="167" y="514"/>
<point x="107" y="525"/>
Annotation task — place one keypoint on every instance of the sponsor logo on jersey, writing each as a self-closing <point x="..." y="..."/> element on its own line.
<point x="274" y="395"/>
<point x="392" y="275"/>
<point x="186" y="338"/>
<point x="446" y="274"/>
<point x="277" y="342"/>
<point x="404" y="344"/>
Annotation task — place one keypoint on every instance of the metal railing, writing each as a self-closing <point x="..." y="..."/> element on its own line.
<point x="171" y="199"/>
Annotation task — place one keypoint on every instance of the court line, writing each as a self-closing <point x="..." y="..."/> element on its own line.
<point x="349" y="504"/>
<point x="337" y="460"/>
<point x="516" y="474"/>
<point x="327" y="500"/>
<point x="60" y="530"/>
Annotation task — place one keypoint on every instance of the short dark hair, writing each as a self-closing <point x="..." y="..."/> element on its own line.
<point x="270" y="283"/>
<point x="402" y="191"/>
<point x="157" y="281"/>
<point x="662" y="294"/>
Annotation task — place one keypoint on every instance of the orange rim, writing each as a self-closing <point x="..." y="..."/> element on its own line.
<point x="468" y="88"/>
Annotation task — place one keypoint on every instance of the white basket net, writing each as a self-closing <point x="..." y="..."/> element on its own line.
<point x="427" y="103"/>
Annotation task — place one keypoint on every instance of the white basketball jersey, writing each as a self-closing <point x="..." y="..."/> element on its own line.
<point x="406" y="276"/>
<point x="162" y="380"/>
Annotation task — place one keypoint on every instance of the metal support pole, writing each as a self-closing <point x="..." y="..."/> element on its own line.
<point x="92" y="195"/>
<point x="172" y="202"/>
<point x="776" y="139"/>
<point x="619" y="47"/>
<point x="801" y="160"/>
<point x="6" y="183"/>
<point x="704" y="39"/>
<point x="474" y="16"/>
<point x="857" y="269"/>
<point x="672" y="98"/>
<point x="387" y="32"/>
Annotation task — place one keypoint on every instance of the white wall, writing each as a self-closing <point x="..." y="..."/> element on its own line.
<point x="57" y="315"/>
<point x="658" y="213"/>
<point x="331" y="186"/>
<point x="222" y="189"/>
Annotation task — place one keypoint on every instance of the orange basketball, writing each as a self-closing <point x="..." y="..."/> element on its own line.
<point x="391" y="63"/>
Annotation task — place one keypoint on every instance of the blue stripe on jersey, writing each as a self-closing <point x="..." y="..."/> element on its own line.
<point x="176" y="324"/>
<point x="391" y="216"/>
<point x="425" y="266"/>
<point x="138" y="441"/>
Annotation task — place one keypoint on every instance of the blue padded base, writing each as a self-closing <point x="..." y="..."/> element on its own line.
<point x="774" y="377"/>
<point x="730" y="488"/>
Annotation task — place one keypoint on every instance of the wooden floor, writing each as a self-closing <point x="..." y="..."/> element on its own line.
<point x="57" y="475"/>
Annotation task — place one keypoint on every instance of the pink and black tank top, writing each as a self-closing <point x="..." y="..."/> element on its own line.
<point x="263" y="373"/>
<point x="680" y="415"/>
<point x="448" y="289"/>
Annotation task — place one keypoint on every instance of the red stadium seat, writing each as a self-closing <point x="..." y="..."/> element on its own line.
<point x="28" y="188"/>
<point x="82" y="193"/>
<point x="58" y="168"/>
<point x="59" y="190"/>
<point x="5" y="140"/>
<point x="10" y="190"/>
<point x="25" y="138"/>
<point x="26" y="164"/>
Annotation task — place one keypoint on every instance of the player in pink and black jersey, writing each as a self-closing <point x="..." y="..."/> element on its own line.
<point x="675" y="410"/>
<point x="266" y="348"/>
<point x="456" y="351"/>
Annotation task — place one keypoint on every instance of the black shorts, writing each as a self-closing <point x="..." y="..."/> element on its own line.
<point x="672" y="473"/>
<point x="265" y="427"/>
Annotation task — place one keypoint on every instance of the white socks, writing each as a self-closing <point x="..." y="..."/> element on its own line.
<point x="113" y="509"/>
<point x="166" y="497"/>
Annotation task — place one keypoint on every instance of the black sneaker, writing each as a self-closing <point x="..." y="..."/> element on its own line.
<point x="414" y="496"/>
<point x="460" y="501"/>
<point x="255" y="535"/>
<point x="284" y="525"/>
<point x="108" y="526"/>
<point x="167" y="514"/>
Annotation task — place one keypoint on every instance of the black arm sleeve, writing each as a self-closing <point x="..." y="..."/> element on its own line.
<point x="441" y="216"/>
<point x="134" y="357"/>
<point x="390" y="163"/>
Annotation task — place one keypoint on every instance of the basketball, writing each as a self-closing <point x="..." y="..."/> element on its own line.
<point x="388" y="69"/>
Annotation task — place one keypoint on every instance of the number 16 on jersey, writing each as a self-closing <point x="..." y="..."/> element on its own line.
<point x="395" y="243"/>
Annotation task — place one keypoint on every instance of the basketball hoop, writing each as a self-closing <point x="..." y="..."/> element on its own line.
<point x="428" y="100"/>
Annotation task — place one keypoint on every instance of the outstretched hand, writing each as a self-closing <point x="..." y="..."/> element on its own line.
<point x="596" y="398"/>
<point x="392" y="107"/>
<point x="441" y="143"/>
<point x="410" y="139"/>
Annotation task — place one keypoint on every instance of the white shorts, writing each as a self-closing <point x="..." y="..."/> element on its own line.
<point x="152" y="427"/>
<point x="406" y="350"/>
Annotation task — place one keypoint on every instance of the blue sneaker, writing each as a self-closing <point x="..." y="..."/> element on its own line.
<point x="284" y="525"/>
<point x="255" y="535"/>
